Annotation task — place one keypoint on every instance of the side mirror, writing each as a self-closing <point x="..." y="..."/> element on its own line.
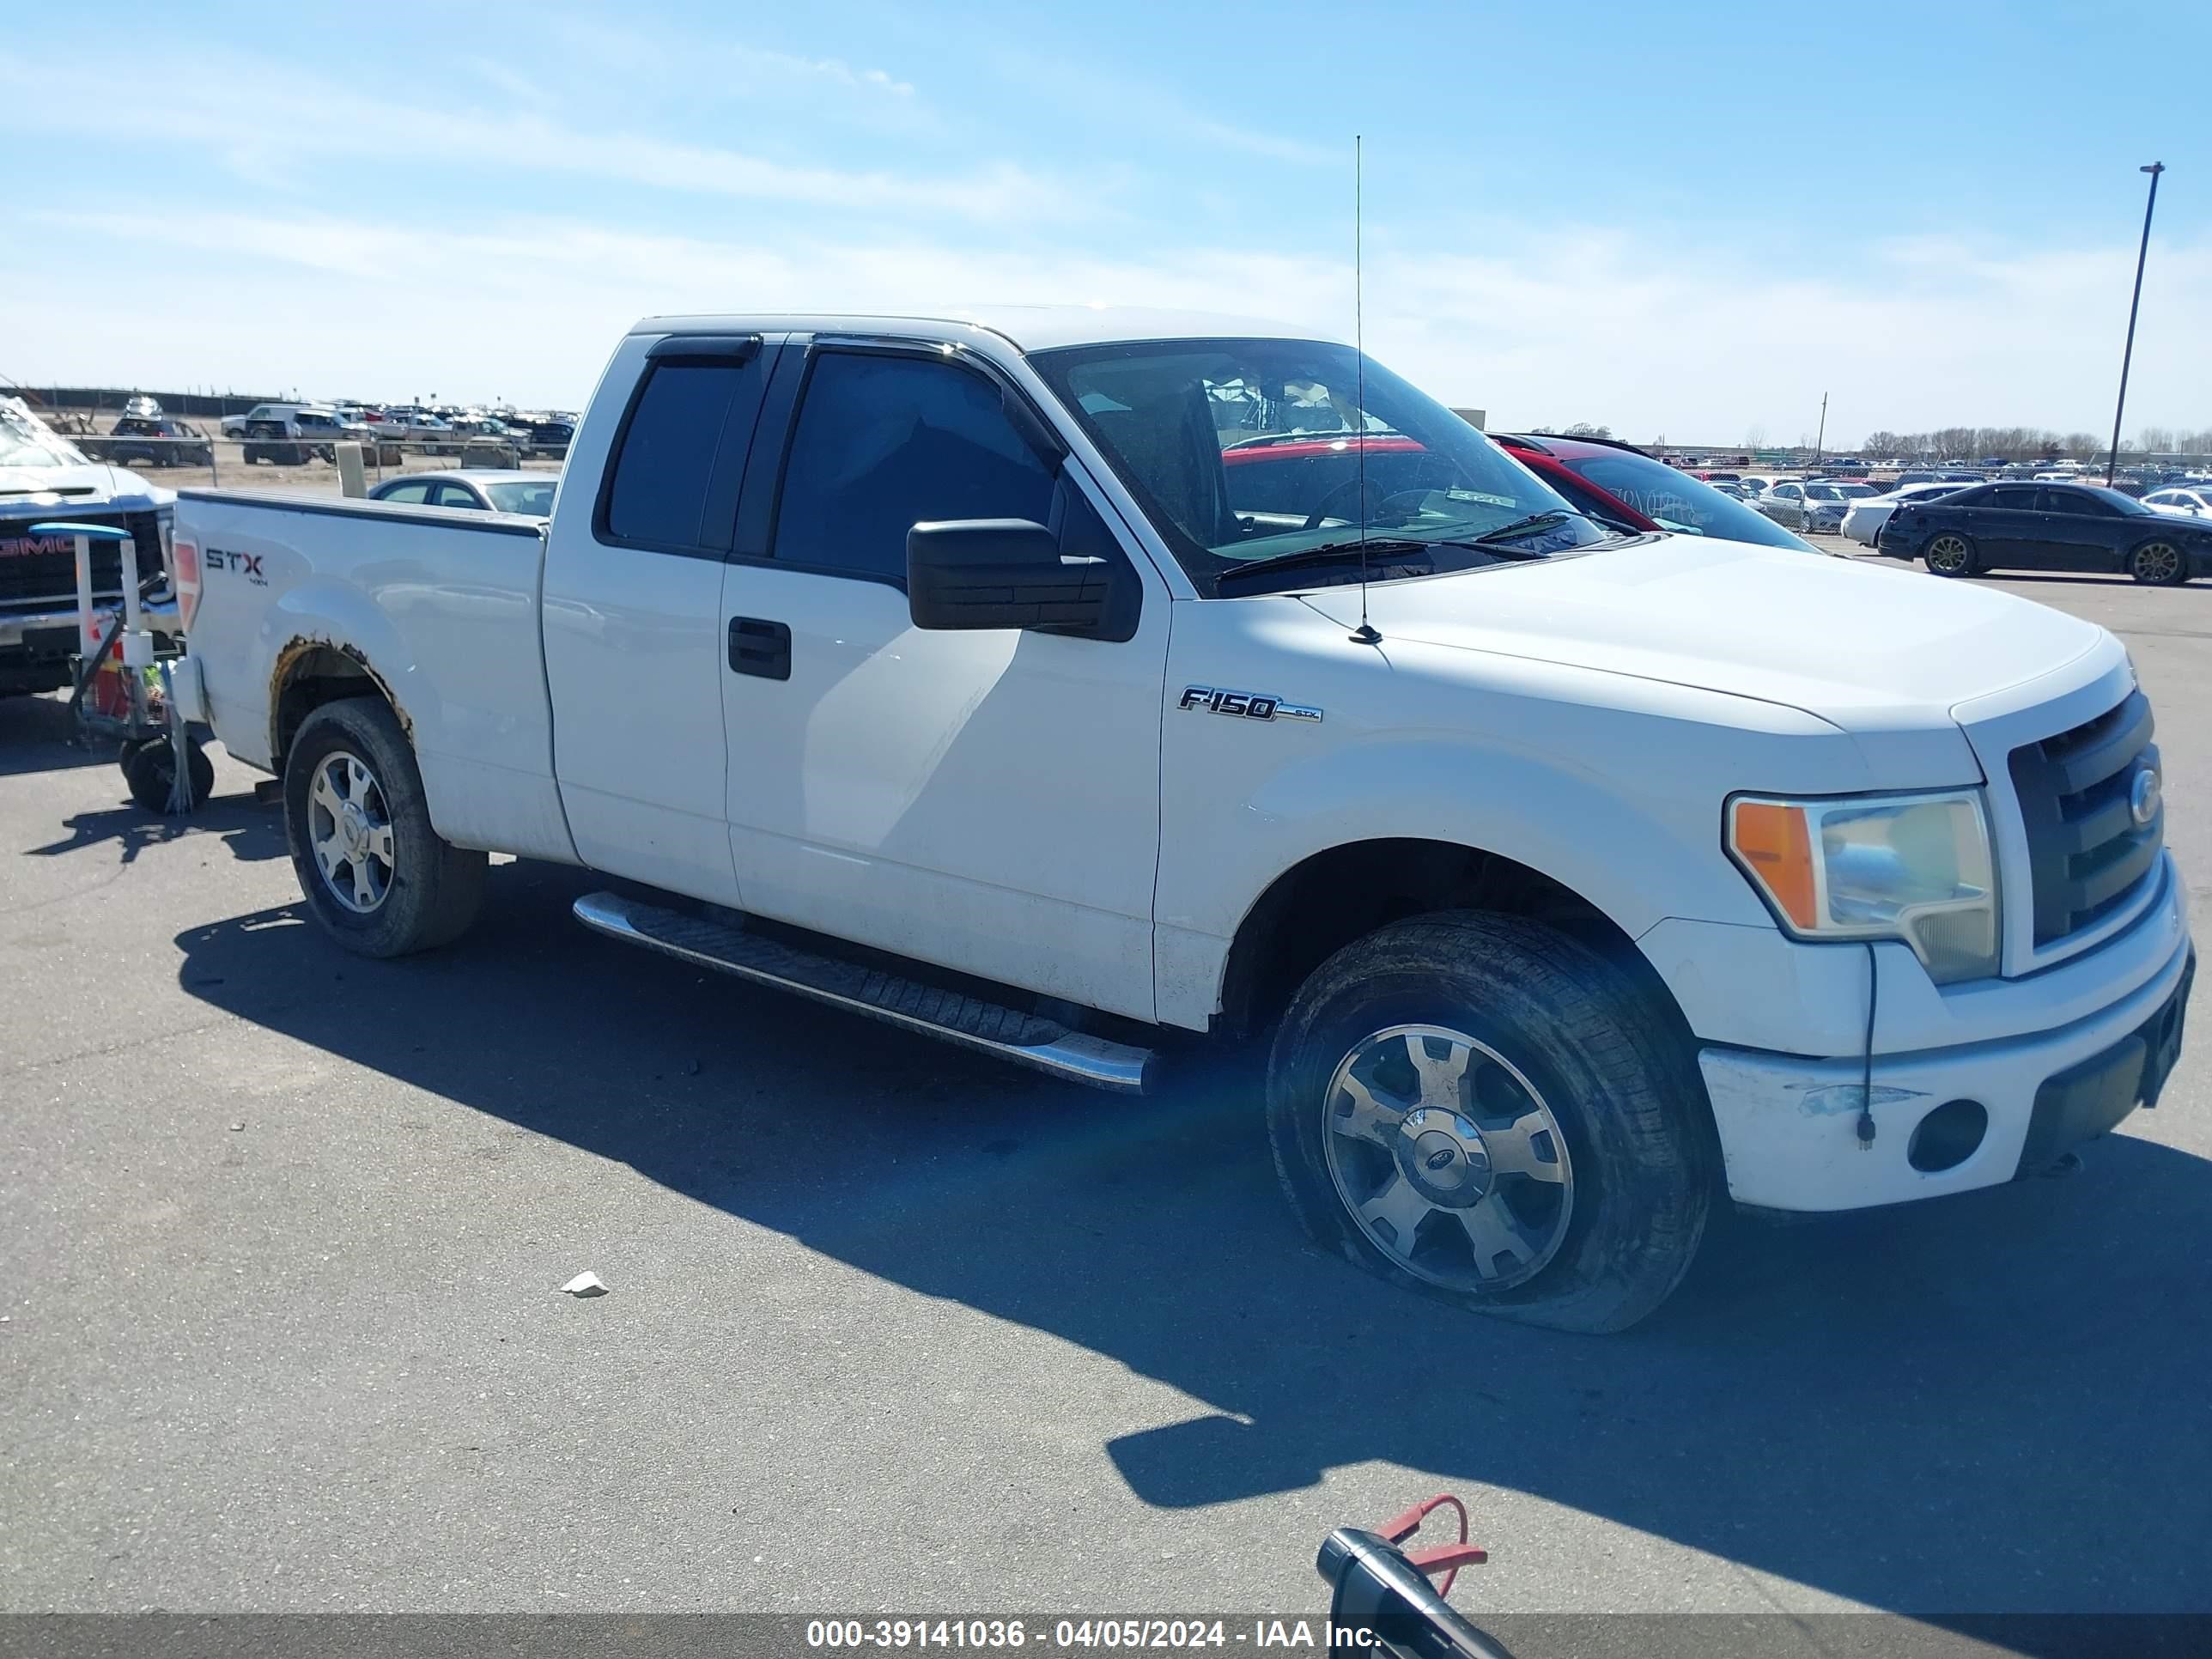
<point x="1003" y="572"/>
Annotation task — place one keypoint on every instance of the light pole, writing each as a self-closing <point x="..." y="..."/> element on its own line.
<point x="1823" y="436"/>
<point x="2112" y="458"/>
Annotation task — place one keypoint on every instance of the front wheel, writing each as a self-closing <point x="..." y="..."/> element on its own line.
<point x="2158" y="564"/>
<point x="379" y="879"/>
<point x="1948" y="554"/>
<point x="1483" y="1109"/>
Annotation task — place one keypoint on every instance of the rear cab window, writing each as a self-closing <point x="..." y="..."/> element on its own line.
<point x="672" y="480"/>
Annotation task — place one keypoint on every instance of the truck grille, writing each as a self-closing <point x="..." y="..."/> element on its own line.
<point x="2086" y="854"/>
<point x="42" y="569"/>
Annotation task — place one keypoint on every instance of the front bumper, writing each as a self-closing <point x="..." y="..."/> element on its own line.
<point x="1789" y="1126"/>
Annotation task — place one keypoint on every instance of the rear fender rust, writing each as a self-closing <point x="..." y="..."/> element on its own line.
<point x="296" y="651"/>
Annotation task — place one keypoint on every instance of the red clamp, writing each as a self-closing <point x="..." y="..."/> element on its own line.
<point x="1445" y="1558"/>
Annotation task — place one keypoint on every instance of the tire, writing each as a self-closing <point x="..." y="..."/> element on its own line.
<point x="1948" y="553"/>
<point x="2158" y="564"/>
<point x="150" y="769"/>
<point x="407" y="889"/>
<point x="1601" y="1203"/>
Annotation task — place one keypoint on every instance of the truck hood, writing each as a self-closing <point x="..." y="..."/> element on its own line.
<point x="54" y="490"/>
<point x="1863" y="647"/>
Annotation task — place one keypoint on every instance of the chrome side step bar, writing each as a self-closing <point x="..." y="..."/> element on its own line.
<point x="1025" y="1039"/>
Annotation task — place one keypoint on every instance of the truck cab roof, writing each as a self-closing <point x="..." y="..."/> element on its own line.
<point x="1027" y="328"/>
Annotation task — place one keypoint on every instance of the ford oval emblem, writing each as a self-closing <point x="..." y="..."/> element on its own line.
<point x="2143" y="797"/>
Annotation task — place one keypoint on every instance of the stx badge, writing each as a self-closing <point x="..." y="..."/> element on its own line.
<point x="1245" y="705"/>
<point x="247" y="564"/>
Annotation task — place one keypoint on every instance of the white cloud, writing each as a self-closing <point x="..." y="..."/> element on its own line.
<point x="835" y="69"/>
<point x="301" y="126"/>
<point x="1541" y="328"/>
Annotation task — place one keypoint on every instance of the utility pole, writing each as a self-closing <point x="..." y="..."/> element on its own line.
<point x="2112" y="457"/>
<point x="1822" y="437"/>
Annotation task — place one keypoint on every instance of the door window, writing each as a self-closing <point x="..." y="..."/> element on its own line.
<point x="2019" y="498"/>
<point x="454" y="495"/>
<point x="2081" y="505"/>
<point x="883" y="443"/>
<point x="415" y="494"/>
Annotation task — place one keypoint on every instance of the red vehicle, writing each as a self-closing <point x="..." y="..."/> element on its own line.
<point x="1305" y="475"/>
<point x="1620" y="485"/>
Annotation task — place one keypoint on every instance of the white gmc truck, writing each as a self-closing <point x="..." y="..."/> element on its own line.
<point x="1072" y="685"/>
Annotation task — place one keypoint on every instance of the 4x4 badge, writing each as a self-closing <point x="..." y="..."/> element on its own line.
<point x="1246" y="705"/>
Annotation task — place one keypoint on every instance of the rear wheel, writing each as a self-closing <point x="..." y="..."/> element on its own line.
<point x="2158" y="564"/>
<point x="1949" y="554"/>
<point x="1482" y="1109"/>
<point x="378" y="878"/>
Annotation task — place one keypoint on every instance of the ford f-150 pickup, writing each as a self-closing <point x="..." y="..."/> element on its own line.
<point x="945" y="671"/>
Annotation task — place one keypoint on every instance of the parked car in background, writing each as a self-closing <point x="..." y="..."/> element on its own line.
<point x="481" y="488"/>
<point x="323" y="420"/>
<point x="1864" y="518"/>
<point x="2048" y="526"/>
<point x="295" y="434"/>
<point x="155" y="441"/>
<point x="1812" y="504"/>
<point x="1620" y="485"/>
<point x="550" y="438"/>
<point x="1781" y="499"/>
<point x="2189" y="499"/>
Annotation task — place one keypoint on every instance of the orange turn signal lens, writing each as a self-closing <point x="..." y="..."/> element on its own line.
<point x="1771" y="842"/>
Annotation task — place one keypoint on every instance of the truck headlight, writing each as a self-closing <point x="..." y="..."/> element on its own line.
<point x="1911" y="867"/>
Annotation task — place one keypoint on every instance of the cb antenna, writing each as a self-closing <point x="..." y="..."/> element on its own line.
<point x="1364" y="634"/>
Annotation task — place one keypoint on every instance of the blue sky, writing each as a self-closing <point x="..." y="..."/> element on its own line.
<point x="1672" y="220"/>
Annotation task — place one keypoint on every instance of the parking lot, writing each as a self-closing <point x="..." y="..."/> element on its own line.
<point x="891" y="1327"/>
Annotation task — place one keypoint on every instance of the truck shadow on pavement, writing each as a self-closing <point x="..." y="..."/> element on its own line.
<point x="1995" y="1401"/>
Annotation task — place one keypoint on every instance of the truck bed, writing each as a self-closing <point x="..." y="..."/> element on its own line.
<point x="443" y="601"/>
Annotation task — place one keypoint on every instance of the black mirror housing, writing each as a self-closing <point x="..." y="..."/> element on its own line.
<point x="965" y="573"/>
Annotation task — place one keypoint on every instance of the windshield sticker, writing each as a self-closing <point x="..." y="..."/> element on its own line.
<point x="1478" y="495"/>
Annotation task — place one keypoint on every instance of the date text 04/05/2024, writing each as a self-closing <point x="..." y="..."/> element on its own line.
<point x="1294" y="1635"/>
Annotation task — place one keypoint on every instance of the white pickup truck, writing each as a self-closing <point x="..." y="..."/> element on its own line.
<point x="1074" y="683"/>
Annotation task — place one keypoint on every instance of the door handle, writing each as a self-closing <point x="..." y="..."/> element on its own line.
<point x="760" y="647"/>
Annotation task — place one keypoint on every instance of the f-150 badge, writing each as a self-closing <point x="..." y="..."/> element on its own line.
<point x="1245" y="705"/>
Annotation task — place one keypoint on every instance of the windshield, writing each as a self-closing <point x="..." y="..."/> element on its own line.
<point x="1245" y="449"/>
<point x="1676" y="499"/>
<point x="535" y="497"/>
<point x="26" y="442"/>
<point x="2116" y="500"/>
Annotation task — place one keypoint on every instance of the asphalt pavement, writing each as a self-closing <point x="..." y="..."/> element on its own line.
<point x="894" y="1327"/>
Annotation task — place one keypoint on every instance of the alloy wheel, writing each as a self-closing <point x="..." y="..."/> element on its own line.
<point x="1949" y="554"/>
<point x="2158" y="563"/>
<point x="1448" y="1157"/>
<point x="349" y="832"/>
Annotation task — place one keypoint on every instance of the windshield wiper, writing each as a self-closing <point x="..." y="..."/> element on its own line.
<point x="1506" y="532"/>
<point x="1331" y="555"/>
